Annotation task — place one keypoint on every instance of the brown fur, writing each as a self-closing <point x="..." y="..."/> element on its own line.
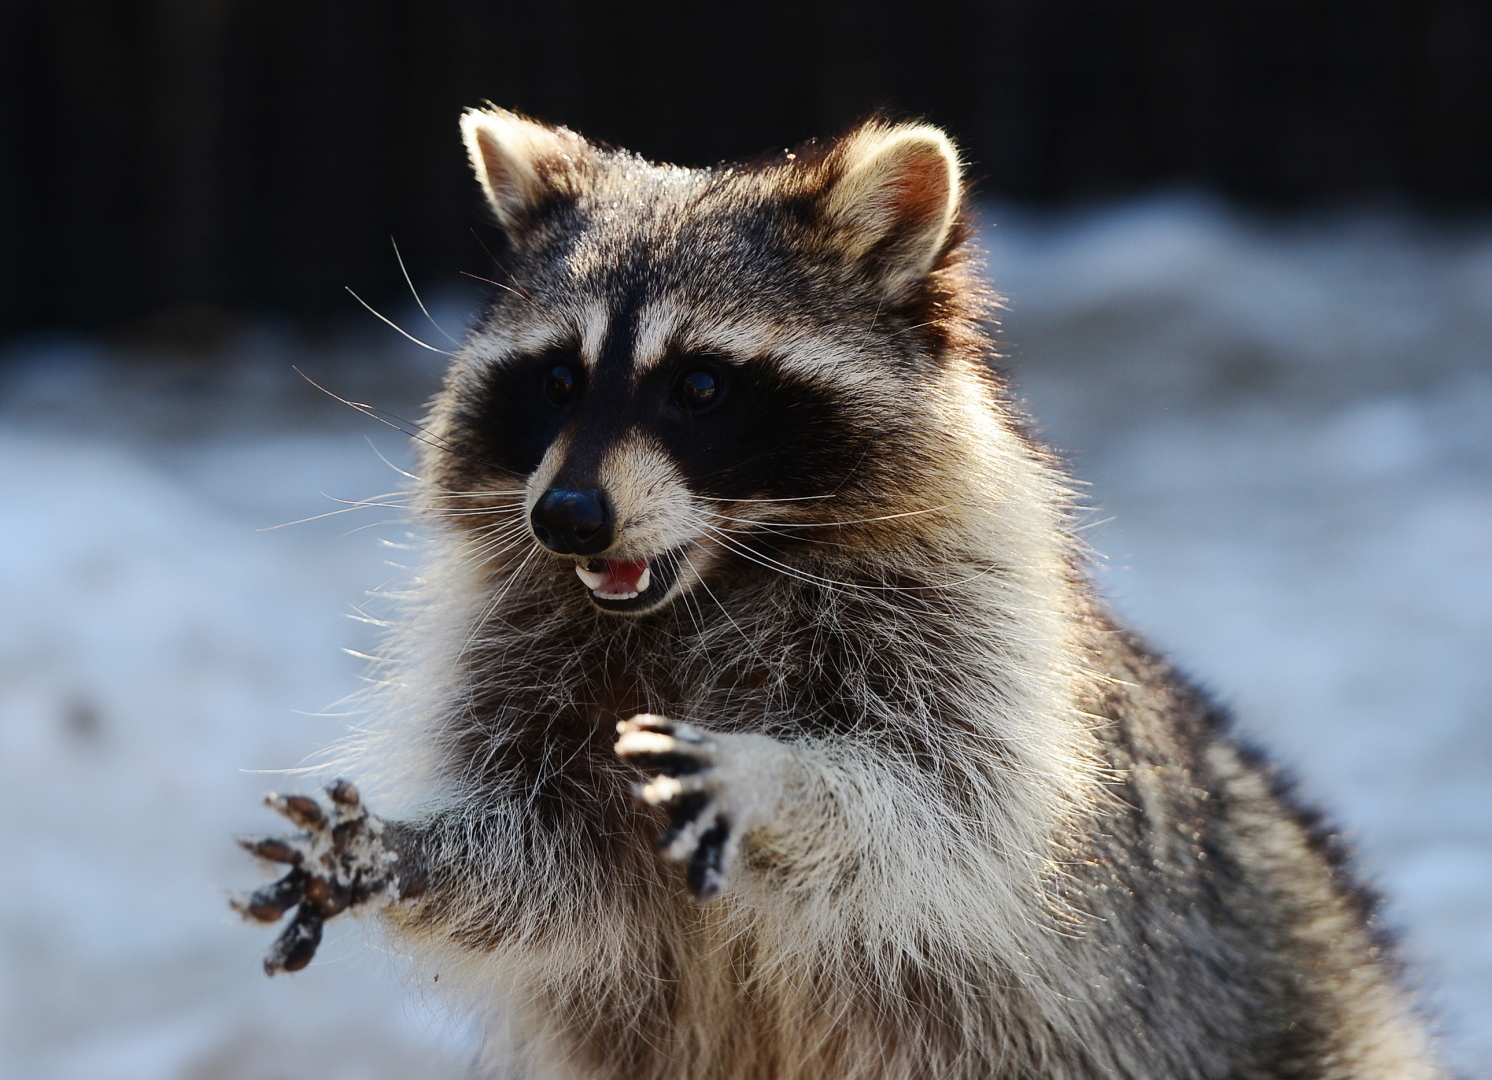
<point x="974" y="829"/>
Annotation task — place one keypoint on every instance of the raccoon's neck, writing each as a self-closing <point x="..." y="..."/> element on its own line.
<point x="951" y="642"/>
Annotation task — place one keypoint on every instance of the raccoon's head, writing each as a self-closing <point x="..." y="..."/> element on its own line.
<point x="690" y="375"/>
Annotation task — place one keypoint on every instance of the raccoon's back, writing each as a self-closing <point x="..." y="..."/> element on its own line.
<point x="1225" y="905"/>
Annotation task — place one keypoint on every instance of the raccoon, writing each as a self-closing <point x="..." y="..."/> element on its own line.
<point x="756" y="716"/>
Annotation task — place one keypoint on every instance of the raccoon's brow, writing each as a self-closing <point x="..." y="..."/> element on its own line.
<point x="504" y="345"/>
<point x="653" y="333"/>
<point x="807" y="351"/>
<point x="595" y="325"/>
<point x="672" y="331"/>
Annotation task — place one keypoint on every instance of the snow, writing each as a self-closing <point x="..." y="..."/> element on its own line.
<point x="1288" y="431"/>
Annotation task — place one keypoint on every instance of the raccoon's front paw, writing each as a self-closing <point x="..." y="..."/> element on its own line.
<point x="716" y="788"/>
<point x="339" y="862"/>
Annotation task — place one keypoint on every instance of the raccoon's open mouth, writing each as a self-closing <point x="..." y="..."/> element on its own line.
<point x="630" y="584"/>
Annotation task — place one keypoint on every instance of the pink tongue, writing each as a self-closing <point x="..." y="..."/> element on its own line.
<point x="621" y="577"/>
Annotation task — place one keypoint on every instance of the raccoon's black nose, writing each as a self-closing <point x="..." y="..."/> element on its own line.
<point x="573" y="522"/>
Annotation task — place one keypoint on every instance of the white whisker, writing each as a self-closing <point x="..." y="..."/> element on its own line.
<point x="381" y="317"/>
<point x="824" y="524"/>
<point x="411" y="477"/>
<point x="415" y="293"/>
<point x="792" y="571"/>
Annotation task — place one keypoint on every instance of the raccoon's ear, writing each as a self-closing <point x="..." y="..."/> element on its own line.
<point x="521" y="163"/>
<point x="894" y="200"/>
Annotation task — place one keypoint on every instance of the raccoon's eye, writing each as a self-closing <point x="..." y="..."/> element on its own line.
<point x="698" y="389"/>
<point x="559" y="386"/>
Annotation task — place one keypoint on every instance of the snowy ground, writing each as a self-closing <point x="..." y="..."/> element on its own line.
<point x="1288" y="429"/>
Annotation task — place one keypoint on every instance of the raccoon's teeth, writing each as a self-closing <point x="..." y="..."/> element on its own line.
<point x="616" y="580"/>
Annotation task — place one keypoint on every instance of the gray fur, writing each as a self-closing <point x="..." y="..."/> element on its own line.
<point x="972" y="828"/>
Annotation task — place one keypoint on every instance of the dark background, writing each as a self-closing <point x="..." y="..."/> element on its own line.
<point x="166" y="162"/>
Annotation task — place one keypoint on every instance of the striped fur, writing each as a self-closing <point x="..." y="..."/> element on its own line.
<point x="975" y="828"/>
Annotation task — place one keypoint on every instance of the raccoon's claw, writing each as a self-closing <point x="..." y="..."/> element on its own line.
<point x="678" y="753"/>
<point x="296" y="945"/>
<point x="665" y="746"/>
<point x="699" y="832"/>
<point x="302" y="810"/>
<point x="705" y="871"/>
<point x="339" y="862"/>
<point x="273" y="848"/>
<point x="270" y="903"/>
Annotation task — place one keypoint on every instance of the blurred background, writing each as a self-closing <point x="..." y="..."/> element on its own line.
<point x="1247" y="254"/>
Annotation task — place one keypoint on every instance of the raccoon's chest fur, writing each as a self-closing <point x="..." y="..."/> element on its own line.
<point x="541" y="703"/>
